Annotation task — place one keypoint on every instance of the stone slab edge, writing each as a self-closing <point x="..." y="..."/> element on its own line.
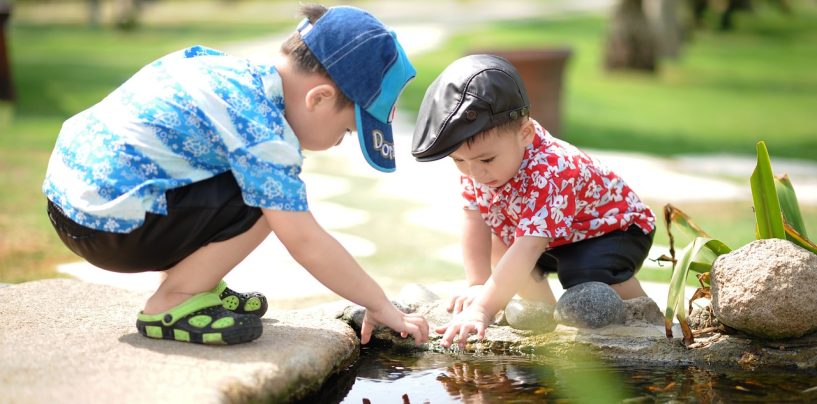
<point x="67" y="341"/>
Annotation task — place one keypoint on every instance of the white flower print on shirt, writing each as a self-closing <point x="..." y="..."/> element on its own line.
<point x="564" y="194"/>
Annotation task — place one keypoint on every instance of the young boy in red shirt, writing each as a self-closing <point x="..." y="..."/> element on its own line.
<point x="534" y="204"/>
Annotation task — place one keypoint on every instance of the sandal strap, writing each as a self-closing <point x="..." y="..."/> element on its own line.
<point x="219" y="289"/>
<point x="191" y="305"/>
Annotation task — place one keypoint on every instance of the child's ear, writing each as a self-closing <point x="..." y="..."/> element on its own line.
<point x="528" y="132"/>
<point x="320" y="95"/>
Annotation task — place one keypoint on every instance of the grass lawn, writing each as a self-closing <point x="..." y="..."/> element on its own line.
<point x="727" y="91"/>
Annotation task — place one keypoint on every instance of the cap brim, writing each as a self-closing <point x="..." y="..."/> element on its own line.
<point x="376" y="140"/>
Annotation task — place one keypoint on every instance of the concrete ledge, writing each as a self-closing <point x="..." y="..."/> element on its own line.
<point x="68" y="341"/>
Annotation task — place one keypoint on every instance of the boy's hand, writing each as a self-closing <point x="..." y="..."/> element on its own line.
<point x="469" y="321"/>
<point x="460" y="302"/>
<point x="388" y="315"/>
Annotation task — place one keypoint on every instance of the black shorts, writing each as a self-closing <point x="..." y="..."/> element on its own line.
<point x="612" y="258"/>
<point x="197" y="214"/>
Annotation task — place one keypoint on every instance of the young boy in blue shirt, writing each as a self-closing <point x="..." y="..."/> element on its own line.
<point x="192" y="162"/>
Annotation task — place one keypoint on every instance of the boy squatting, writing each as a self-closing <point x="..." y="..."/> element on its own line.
<point x="534" y="204"/>
<point x="190" y="164"/>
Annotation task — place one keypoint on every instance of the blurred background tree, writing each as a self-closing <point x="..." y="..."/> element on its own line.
<point x="642" y="32"/>
<point x="631" y="41"/>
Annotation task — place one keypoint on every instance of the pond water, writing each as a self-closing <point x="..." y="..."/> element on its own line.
<point x="382" y="375"/>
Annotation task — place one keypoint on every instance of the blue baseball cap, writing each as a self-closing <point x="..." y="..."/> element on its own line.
<point x="366" y="61"/>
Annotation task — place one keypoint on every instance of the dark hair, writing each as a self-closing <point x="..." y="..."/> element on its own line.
<point x="303" y="58"/>
<point x="510" y="126"/>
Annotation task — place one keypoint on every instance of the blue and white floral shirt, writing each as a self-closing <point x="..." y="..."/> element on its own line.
<point x="184" y="118"/>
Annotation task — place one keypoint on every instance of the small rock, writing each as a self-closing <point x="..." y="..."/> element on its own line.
<point x="590" y="305"/>
<point x="642" y="310"/>
<point x="530" y="315"/>
<point x="701" y="316"/>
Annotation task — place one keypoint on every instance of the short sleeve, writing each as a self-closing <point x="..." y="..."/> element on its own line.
<point x="266" y="184"/>
<point x="469" y="193"/>
<point x="549" y="206"/>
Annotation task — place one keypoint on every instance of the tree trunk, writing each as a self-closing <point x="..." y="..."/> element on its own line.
<point x="663" y="17"/>
<point x="631" y="44"/>
<point x="94" y="13"/>
<point x="6" y="85"/>
<point x="127" y="14"/>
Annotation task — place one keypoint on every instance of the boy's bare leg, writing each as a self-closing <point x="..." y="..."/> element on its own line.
<point x="202" y="270"/>
<point x="538" y="291"/>
<point x="629" y="289"/>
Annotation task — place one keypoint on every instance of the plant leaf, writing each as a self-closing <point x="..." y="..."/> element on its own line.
<point x="767" y="207"/>
<point x="677" y="217"/>
<point x="789" y="205"/>
<point x="797" y="238"/>
<point x="698" y="256"/>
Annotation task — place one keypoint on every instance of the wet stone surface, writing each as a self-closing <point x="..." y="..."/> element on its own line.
<point x="639" y="337"/>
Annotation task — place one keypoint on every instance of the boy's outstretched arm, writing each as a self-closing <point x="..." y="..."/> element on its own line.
<point x="510" y="274"/>
<point x="327" y="260"/>
<point x="476" y="254"/>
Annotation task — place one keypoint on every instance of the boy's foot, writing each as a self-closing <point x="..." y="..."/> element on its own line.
<point x="243" y="303"/>
<point x="202" y="320"/>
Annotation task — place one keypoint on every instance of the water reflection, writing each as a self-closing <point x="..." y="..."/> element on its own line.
<point x="487" y="381"/>
<point x="385" y="376"/>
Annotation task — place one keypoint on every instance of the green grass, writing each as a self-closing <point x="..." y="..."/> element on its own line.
<point x="59" y="70"/>
<point x="724" y="93"/>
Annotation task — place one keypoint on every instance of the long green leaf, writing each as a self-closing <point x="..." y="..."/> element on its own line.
<point x="789" y="205"/>
<point x="697" y="255"/>
<point x="767" y="207"/>
<point x="798" y="239"/>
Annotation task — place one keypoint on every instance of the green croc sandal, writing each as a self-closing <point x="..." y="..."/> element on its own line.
<point x="243" y="303"/>
<point x="202" y="320"/>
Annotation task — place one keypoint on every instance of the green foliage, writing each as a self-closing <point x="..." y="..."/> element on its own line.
<point x="697" y="256"/>
<point x="789" y="205"/>
<point x="700" y="254"/>
<point x="768" y="215"/>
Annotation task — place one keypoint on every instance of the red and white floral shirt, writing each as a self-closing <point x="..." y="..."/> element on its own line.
<point x="560" y="193"/>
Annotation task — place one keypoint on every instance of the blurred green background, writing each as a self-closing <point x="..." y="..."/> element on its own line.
<point x="727" y="89"/>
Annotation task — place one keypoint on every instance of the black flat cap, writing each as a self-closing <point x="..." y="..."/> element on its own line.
<point x="473" y="94"/>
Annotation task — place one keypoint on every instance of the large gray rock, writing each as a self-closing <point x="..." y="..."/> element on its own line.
<point x="590" y="305"/>
<point x="66" y="341"/>
<point x="767" y="288"/>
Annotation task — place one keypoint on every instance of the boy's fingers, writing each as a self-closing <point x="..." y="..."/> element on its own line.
<point x="481" y="331"/>
<point x="458" y="308"/>
<point x="449" y="336"/>
<point x="415" y="332"/>
<point x="465" y="331"/>
<point x="451" y="304"/>
<point x="422" y="327"/>
<point x="365" y="332"/>
<point x="441" y="329"/>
